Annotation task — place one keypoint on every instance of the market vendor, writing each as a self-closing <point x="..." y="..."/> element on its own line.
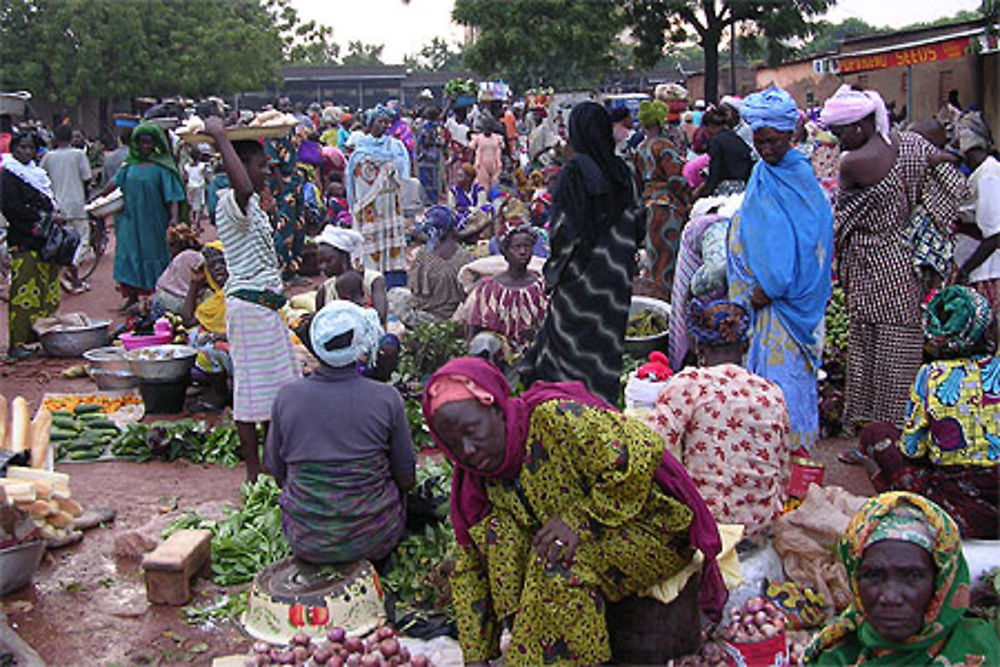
<point x="344" y="465"/>
<point x="728" y="426"/>
<point x="910" y="584"/>
<point x="559" y="505"/>
<point x="949" y="448"/>
<point x="204" y="313"/>
<point x="338" y="248"/>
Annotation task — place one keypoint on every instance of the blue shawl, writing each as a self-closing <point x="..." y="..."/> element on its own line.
<point x="786" y="225"/>
<point x="382" y="149"/>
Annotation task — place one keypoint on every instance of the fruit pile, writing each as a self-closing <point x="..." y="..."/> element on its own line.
<point x="109" y="404"/>
<point x="381" y="649"/>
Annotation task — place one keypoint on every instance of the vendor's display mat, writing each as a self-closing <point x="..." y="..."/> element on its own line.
<point x="239" y="134"/>
<point x="127" y="403"/>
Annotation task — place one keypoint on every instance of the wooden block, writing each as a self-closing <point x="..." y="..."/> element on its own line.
<point x="170" y="567"/>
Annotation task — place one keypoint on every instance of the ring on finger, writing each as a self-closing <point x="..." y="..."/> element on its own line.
<point x="559" y="543"/>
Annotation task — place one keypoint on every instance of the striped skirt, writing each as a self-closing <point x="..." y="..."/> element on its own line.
<point x="262" y="355"/>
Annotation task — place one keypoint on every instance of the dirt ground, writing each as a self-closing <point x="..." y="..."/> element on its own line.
<point x="86" y="606"/>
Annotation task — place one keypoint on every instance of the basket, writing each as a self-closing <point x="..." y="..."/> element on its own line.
<point x="239" y="134"/>
<point x="102" y="207"/>
<point x="769" y="653"/>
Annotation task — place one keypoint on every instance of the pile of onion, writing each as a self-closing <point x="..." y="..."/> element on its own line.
<point x="380" y="649"/>
<point x="758" y="620"/>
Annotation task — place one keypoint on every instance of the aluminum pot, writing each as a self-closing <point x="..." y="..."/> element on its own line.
<point x="161" y="362"/>
<point x="641" y="346"/>
<point x="18" y="564"/>
<point x="72" y="341"/>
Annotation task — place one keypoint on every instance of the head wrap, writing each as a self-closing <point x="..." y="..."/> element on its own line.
<point x="455" y="388"/>
<point x="848" y="106"/>
<point x="470" y="504"/>
<point x="973" y="132"/>
<point x="345" y="240"/>
<point x="956" y="321"/>
<point x="652" y="113"/>
<point x="945" y="637"/>
<point x="337" y="318"/>
<point x="718" y="323"/>
<point x="732" y="101"/>
<point x="380" y="111"/>
<point x="30" y="173"/>
<point x="211" y="313"/>
<point x="335" y="157"/>
<point x="437" y="222"/>
<point x="590" y="135"/>
<point x="772" y="108"/>
<point x="161" y="154"/>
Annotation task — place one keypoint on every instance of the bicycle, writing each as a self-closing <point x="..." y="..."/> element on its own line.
<point x="98" y="240"/>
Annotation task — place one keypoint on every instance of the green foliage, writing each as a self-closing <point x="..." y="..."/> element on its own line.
<point x="182" y="439"/>
<point x="559" y="43"/>
<point x="435" y="56"/>
<point x="246" y="540"/>
<point x="421" y="565"/>
<point x="359" y="53"/>
<point x="428" y="347"/>
<point x="226" y="607"/>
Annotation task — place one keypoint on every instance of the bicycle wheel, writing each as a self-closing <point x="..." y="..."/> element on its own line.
<point x="98" y="246"/>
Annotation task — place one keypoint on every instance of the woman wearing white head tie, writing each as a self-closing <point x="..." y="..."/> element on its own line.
<point x="885" y="178"/>
<point x="338" y="252"/>
<point x="344" y="465"/>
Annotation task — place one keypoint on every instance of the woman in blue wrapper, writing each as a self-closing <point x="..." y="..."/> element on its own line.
<point x="779" y="249"/>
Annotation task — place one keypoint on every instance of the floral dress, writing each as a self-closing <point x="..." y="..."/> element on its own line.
<point x="593" y="468"/>
<point x="286" y="186"/>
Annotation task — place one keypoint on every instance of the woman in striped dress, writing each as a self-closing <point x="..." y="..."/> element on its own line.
<point x="595" y="225"/>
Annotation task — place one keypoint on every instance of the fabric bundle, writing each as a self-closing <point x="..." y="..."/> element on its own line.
<point x="772" y="108"/>
<point x="338" y="318"/>
<point x="956" y="321"/>
<point x="718" y="323"/>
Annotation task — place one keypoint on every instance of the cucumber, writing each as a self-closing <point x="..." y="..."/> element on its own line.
<point x="84" y="455"/>
<point x="90" y="416"/>
<point x="62" y="413"/>
<point x="84" y="408"/>
<point x="68" y="423"/>
<point x="57" y="434"/>
<point x="99" y="423"/>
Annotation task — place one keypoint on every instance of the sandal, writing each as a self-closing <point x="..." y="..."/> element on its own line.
<point x="852" y="457"/>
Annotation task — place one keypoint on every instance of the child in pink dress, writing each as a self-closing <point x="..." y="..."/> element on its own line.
<point x="488" y="147"/>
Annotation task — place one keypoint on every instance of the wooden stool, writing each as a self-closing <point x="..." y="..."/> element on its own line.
<point x="170" y="567"/>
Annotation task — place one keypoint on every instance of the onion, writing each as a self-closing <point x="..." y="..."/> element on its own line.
<point x="261" y="647"/>
<point x="300" y="653"/>
<point x="275" y="655"/>
<point x="337" y="634"/>
<point x="370" y="660"/>
<point x="420" y="661"/>
<point x="353" y="660"/>
<point x="389" y="647"/>
<point x="335" y="661"/>
<point x="385" y="632"/>
<point x="404" y="653"/>
<point x="770" y="608"/>
<point x="301" y="639"/>
<point x="321" y="655"/>
<point x="768" y="630"/>
<point x="754" y="604"/>
<point x="760" y="618"/>
<point x="354" y="645"/>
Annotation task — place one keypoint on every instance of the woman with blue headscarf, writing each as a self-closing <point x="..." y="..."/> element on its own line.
<point x="779" y="249"/>
<point x="344" y="469"/>
<point x="375" y="174"/>
<point x="433" y="276"/>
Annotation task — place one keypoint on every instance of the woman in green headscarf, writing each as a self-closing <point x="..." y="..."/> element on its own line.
<point x="910" y="581"/>
<point x="153" y="188"/>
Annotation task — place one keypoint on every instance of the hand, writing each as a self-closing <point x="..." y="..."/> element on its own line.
<point x="198" y="278"/>
<point x="758" y="298"/>
<point x="556" y="542"/>
<point x="214" y="126"/>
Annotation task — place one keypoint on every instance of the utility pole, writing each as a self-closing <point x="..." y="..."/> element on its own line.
<point x="732" y="58"/>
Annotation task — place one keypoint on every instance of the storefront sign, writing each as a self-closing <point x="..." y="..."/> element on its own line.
<point x="917" y="55"/>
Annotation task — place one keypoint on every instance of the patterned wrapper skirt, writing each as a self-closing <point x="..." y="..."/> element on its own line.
<point x="262" y="356"/>
<point x="34" y="293"/>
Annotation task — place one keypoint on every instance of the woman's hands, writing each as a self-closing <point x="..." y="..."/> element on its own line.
<point x="214" y="127"/>
<point x="556" y="542"/>
<point x="759" y="298"/>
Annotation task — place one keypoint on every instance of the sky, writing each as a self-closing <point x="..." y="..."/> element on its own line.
<point x="405" y="27"/>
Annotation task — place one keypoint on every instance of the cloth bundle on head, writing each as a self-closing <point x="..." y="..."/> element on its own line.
<point x="946" y="636"/>
<point x="956" y="321"/>
<point x="670" y="91"/>
<point x="652" y="113"/>
<point x="470" y="504"/>
<point x="973" y="132"/>
<point x="718" y="323"/>
<point x="341" y="317"/>
<point x="437" y="222"/>
<point x="345" y="240"/>
<point x="380" y="111"/>
<point x="849" y="106"/>
<point x="773" y="108"/>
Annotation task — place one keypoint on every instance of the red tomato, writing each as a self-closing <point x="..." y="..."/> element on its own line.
<point x="297" y="615"/>
<point x="319" y="615"/>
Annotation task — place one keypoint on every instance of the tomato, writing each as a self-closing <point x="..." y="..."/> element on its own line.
<point x="297" y="615"/>
<point x="319" y="615"/>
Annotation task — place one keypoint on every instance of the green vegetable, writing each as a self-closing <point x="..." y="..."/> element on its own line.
<point x="68" y="423"/>
<point x="84" y="408"/>
<point x="56" y="433"/>
<point x="100" y="422"/>
<point x="645" y="323"/>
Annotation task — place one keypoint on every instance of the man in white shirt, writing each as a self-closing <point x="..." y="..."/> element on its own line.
<point x="69" y="170"/>
<point x="194" y="178"/>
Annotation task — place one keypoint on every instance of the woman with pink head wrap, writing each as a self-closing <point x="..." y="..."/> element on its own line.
<point x="849" y="106"/>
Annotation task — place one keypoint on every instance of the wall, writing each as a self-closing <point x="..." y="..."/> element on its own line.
<point x="745" y="83"/>
<point x="804" y="85"/>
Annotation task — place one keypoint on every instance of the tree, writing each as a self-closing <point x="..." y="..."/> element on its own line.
<point x="359" y="53"/>
<point x="559" y="43"/>
<point x="306" y="43"/>
<point x="435" y="56"/>
<point x="654" y="22"/>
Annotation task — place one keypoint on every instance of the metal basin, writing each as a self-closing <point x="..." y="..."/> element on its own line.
<point x="641" y="346"/>
<point x="161" y="362"/>
<point x="72" y="341"/>
<point x="18" y="564"/>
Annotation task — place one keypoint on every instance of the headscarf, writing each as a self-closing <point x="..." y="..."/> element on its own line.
<point x="339" y="317"/>
<point x="849" y="106"/>
<point x="732" y="101"/>
<point x="773" y="108"/>
<point x="437" y="223"/>
<point x="379" y="111"/>
<point x="718" y="323"/>
<point x="211" y="313"/>
<point x="470" y="504"/>
<point x="161" y="154"/>
<point x="345" y="240"/>
<point x="973" y="132"/>
<point x="956" y="321"/>
<point x="652" y="113"/>
<point x="30" y="173"/>
<point x="945" y="637"/>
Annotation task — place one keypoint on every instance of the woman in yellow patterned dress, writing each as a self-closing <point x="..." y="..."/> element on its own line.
<point x="606" y="511"/>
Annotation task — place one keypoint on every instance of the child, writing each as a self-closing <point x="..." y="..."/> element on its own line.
<point x="489" y="161"/>
<point x="194" y="177"/>
<point x="260" y="346"/>
<point x="350" y="287"/>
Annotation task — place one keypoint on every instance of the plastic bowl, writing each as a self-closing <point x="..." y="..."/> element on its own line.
<point x="18" y="564"/>
<point x="66" y="341"/>
<point x="641" y="346"/>
<point x="131" y="342"/>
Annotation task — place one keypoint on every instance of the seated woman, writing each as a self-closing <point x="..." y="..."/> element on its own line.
<point x="344" y="470"/>
<point x="338" y="248"/>
<point x="433" y="276"/>
<point x="729" y="426"/>
<point x="512" y="211"/>
<point x="204" y="313"/>
<point x="185" y="253"/>
<point x="949" y="448"/>
<point x="468" y="200"/>
<point x="560" y="505"/>
<point x="513" y="302"/>
<point x="910" y="582"/>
